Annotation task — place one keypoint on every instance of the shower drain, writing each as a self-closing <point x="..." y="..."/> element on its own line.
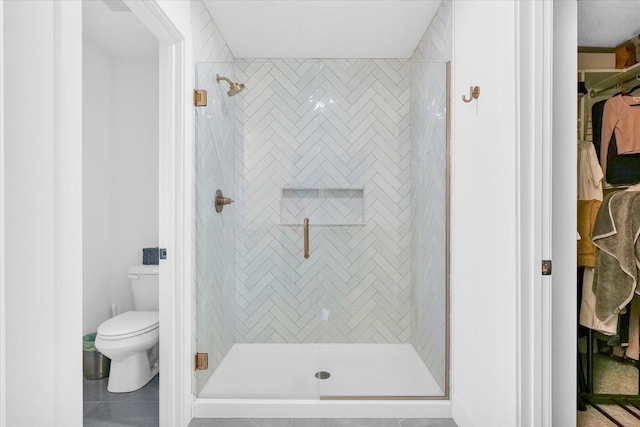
<point x="322" y="375"/>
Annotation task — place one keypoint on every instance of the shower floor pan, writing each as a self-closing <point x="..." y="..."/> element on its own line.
<point x="299" y="371"/>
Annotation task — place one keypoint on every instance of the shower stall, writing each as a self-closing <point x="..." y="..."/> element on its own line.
<point x="359" y="149"/>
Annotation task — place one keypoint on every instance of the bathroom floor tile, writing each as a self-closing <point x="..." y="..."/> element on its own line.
<point x="88" y="406"/>
<point x="133" y="414"/>
<point x="135" y="409"/>
<point x="96" y="391"/>
<point x="148" y="393"/>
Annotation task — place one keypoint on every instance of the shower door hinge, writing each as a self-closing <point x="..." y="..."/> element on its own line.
<point x="546" y="267"/>
<point x="162" y="253"/>
<point x="200" y="98"/>
<point x="202" y="361"/>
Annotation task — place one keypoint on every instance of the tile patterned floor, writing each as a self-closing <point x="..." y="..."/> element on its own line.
<point x="140" y="409"/>
<point x="135" y="409"/>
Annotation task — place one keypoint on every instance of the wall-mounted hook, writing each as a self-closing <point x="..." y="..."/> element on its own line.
<point x="474" y="93"/>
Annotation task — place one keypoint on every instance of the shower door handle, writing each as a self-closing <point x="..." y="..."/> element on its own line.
<point x="306" y="238"/>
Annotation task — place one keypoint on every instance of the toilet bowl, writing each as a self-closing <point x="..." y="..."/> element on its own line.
<point x="131" y="339"/>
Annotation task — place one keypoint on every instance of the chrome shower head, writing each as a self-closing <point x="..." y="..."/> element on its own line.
<point x="233" y="87"/>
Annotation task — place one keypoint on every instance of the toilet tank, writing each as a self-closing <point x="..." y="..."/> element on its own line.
<point x="144" y="281"/>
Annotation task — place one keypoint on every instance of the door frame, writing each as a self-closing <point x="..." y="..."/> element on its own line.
<point x="175" y="160"/>
<point x="3" y="353"/>
<point x="547" y="156"/>
<point x="562" y="196"/>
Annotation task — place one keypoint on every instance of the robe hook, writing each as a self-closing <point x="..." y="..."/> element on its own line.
<point x="474" y="93"/>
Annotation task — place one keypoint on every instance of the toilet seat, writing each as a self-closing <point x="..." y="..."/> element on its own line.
<point x="129" y="324"/>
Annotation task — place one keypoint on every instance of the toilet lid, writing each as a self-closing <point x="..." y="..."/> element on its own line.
<point x="129" y="324"/>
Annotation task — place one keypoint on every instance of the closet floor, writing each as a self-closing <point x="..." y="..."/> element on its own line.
<point x="611" y="376"/>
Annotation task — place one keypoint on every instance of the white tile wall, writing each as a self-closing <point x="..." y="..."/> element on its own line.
<point x="208" y="43"/>
<point x="428" y="192"/>
<point x="323" y="123"/>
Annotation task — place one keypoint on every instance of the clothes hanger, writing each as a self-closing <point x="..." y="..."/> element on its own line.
<point x="628" y="93"/>
<point x="620" y="88"/>
<point x="635" y="98"/>
<point x="632" y="90"/>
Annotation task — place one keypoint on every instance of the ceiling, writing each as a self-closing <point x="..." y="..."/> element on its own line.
<point x="322" y="28"/>
<point x="329" y="28"/>
<point x="607" y="23"/>
<point x="112" y="27"/>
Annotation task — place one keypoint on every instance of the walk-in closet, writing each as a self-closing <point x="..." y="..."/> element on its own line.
<point x="608" y="213"/>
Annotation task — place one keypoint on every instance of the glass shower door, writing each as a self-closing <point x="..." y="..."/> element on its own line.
<point x="327" y="140"/>
<point x="385" y="290"/>
<point x="214" y="232"/>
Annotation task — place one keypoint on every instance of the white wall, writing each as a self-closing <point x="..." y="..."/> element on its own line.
<point x="42" y="199"/>
<point x="120" y="174"/>
<point x="484" y="212"/>
<point x="48" y="304"/>
<point x="134" y="176"/>
<point x="97" y="170"/>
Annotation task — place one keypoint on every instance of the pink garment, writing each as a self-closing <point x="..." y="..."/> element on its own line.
<point x="622" y="117"/>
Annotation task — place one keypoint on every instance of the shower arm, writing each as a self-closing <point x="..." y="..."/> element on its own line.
<point x="226" y="79"/>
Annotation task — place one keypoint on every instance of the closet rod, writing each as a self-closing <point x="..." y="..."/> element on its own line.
<point x="594" y="93"/>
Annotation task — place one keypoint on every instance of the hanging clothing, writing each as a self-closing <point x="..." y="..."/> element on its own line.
<point x="596" y="125"/>
<point x="588" y="316"/>
<point x="620" y="169"/>
<point x="615" y="233"/>
<point x="587" y="212"/>
<point x="589" y="172"/>
<point x="621" y="117"/>
<point x="633" y="349"/>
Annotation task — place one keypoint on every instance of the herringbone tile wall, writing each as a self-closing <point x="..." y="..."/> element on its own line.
<point x="428" y="193"/>
<point x="436" y="43"/>
<point x="208" y="43"/>
<point x="214" y="233"/>
<point x="316" y="124"/>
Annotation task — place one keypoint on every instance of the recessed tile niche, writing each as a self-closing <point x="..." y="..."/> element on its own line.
<point x="323" y="206"/>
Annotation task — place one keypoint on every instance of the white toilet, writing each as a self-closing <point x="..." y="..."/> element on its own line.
<point x="130" y="339"/>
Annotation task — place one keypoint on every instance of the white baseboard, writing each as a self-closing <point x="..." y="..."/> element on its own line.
<point x="460" y="415"/>
<point x="311" y="408"/>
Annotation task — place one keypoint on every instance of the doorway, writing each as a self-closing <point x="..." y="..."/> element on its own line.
<point x="120" y="182"/>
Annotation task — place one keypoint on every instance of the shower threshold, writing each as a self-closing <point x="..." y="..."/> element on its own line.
<point x="289" y="371"/>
